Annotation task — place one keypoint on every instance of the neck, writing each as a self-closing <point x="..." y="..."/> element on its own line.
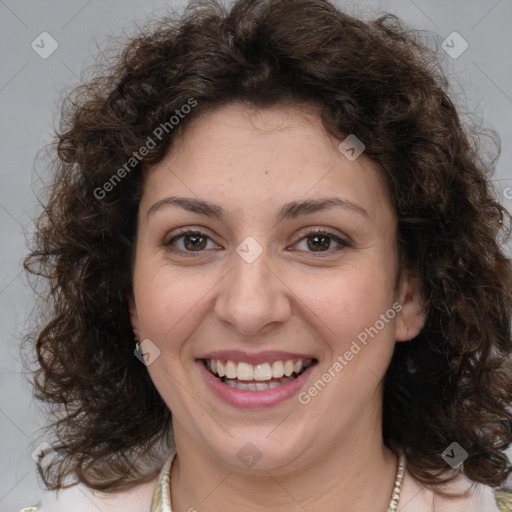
<point x="354" y="474"/>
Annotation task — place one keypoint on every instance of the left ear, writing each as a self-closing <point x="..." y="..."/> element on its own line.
<point x="411" y="318"/>
<point x="134" y="318"/>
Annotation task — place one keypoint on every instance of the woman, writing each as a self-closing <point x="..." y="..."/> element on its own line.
<point x="272" y="223"/>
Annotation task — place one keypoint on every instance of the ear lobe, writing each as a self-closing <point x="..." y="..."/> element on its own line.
<point x="134" y="317"/>
<point x="411" y="319"/>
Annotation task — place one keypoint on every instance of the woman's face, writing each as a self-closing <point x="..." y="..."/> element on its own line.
<point x="259" y="286"/>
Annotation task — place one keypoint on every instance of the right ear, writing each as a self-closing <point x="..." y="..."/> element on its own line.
<point x="412" y="316"/>
<point x="134" y="317"/>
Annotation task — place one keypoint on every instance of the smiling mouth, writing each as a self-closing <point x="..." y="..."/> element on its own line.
<point x="259" y="377"/>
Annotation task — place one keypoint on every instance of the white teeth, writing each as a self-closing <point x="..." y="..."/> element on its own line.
<point x="288" y="368"/>
<point x="245" y="371"/>
<point x="256" y="386"/>
<point x="277" y="369"/>
<point x="251" y="386"/>
<point x="263" y="372"/>
<point x="231" y="370"/>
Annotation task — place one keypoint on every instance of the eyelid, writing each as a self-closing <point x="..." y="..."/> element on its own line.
<point x="311" y="230"/>
<point x="187" y="231"/>
<point x="342" y="240"/>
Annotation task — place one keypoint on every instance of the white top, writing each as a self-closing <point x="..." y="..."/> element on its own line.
<point x="154" y="496"/>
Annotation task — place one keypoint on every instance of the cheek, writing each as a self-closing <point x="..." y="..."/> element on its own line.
<point x="169" y="305"/>
<point x="344" y="303"/>
<point x="167" y="301"/>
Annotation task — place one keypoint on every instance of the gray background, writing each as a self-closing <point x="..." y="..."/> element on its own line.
<point x="30" y="89"/>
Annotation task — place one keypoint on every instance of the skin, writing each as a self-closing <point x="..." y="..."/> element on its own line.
<point x="327" y="454"/>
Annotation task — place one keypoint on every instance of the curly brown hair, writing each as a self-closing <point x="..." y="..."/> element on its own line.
<point x="377" y="79"/>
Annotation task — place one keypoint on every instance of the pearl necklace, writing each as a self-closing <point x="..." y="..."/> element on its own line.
<point x="162" y="498"/>
<point x="395" y="498"/>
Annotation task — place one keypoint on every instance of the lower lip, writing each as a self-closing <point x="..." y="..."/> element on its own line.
<point x="251" y="399"/>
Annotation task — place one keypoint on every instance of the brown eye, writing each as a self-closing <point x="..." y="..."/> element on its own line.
<point x="188" y="242"/>
<point x="320" y="242"/>
<point x="193" y="242"/>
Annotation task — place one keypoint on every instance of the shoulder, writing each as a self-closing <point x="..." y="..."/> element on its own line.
<point x="504" y="500"/>
<point x="415" y="497"/>
<point x="82" y="499"/>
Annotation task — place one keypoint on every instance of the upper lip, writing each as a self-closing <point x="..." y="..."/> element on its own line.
<point x="268" y="356"/>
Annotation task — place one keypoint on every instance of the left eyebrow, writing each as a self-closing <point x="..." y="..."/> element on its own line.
<point x="296" y="208"/>
<point x="287" y="211"/>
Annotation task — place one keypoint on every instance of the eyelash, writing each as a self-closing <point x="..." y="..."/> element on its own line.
<point x="194" y="254"/>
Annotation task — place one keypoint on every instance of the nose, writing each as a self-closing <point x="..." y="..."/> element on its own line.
<point x="253" y="298"/>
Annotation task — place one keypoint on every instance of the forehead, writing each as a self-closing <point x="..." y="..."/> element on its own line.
<point x="248" y="157"/>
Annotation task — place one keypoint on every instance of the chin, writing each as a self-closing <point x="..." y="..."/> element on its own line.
<point x="257" y="450"/>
